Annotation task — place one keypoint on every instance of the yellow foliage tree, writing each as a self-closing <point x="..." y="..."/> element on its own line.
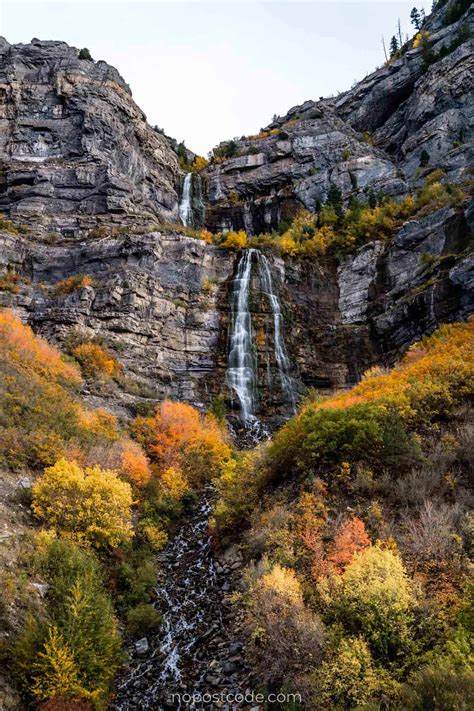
<point x="235" y="240"/>
<point x="91" y="506"/>
<point x="199" y="163"/>
<point x="55" y="673"/>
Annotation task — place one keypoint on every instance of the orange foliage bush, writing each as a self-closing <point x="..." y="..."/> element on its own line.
<point x="179" y="437"/>
<point x="351" y="538"/>
<point x="20" y="346"/>
<point x="70" y="284"/>
<point x="96" y="361"/>
<point x="434" y="374"/>
<point x="39" y="411"/>
<point x="134" y="463"/>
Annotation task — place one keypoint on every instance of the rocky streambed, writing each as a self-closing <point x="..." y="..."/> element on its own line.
<point x="196" y="660"/>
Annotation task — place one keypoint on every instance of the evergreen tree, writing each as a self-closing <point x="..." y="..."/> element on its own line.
<point x="393" y="46"/>
<point x="334" y="198"/>
<point x="372" y="199"/>
<point x="415" y="18"/>
<point x="424" y="158"/>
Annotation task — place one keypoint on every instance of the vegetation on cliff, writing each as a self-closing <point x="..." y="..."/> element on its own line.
<point x="356" y="525"/>
<point x="335" y="229"/>
<point x="101" y="506"/>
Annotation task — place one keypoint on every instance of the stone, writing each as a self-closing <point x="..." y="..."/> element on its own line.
<point x="142" y="647"/>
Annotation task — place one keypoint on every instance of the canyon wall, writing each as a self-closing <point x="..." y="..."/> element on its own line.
<point x="88" y="187"/>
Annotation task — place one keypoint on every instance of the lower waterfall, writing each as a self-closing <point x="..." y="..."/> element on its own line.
<point x="281" y="355"/>
<point x="241" y="373"/>
<point x="242" y="367"/>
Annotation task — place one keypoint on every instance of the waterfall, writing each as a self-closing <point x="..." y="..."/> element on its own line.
<point x="185" y="207"/>
<point x="191" y="206"/>
<point x="281" y="355"/>
<point x="241" y="370"/>
<point x="241" y="373"/>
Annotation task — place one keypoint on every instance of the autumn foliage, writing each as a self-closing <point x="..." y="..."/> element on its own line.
<point x="96" y="361"/>
<point x="351" y="538"/>
<point x="39" y="407"/>
<point x="431" y="378"/>
<point x="185" y="445"/>
<point x="90" y="506"/>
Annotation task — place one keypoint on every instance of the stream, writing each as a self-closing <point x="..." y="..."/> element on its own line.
<point x="199" y="648"/>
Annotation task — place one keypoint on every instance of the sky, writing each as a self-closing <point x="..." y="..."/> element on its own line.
<point x="209" y="71"/>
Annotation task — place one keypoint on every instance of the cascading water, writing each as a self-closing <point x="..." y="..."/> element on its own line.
<point x="281" y="355"/>
<point x="191" y="206"/>
<point x="241" y="369"/>
<point x="241" y="373"/>
<point x="197" y="635"/>
<point x="185" y="207"/>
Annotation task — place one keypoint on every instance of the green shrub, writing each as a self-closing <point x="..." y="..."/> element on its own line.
<point x="142" y="619"/>
<point x="85" y="54"/>
<point x="349" y="678"/>
<point x="319" y="439"/>
<point x="373" y="598"/>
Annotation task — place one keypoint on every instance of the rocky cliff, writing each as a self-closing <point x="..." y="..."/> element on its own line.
<point x="89" y="188"/>
<point x="74" y="146"/>
<point x="368" y="138"/>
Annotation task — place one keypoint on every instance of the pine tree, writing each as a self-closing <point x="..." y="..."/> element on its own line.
<point x="393" y="46"/>
<point x="415" y="18"/>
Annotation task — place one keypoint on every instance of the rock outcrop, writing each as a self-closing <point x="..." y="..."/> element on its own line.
<point x="368" y="138"/>
<point x="74" y="146"/>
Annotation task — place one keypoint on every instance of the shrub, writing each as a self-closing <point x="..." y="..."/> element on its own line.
<point x="9" y="281"/>
<point x="134" y="463"/>
<point x="349" y="678"/>
<point x="322" y="438"/>
<point x="85" y="54"/>
<point x="433" y="376"/>
<point x="351" y="538"/>
<point x="96" y="361"/>
<point x="179" y="437"/>
<point x="234" y="240"/>
<point x="373" y="597"/>
<point x="73" y="283"/>
<point x="143" y="619"/>
<point x="278" y="620"/>
<point x="39" y="413"/>
<point x="92" y="505"/>
<point x="76" y="651"/>
<point x="240" y="488"/>
<point x="199" y="164"/>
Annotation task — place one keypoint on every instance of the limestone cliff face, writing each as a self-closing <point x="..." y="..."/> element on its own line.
<point x="74" y="146"/>
<point x="76" y="153"/>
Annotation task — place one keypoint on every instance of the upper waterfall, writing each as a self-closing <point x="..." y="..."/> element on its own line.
<point x="185" y="208"/>
<point x="191" y="205"/>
